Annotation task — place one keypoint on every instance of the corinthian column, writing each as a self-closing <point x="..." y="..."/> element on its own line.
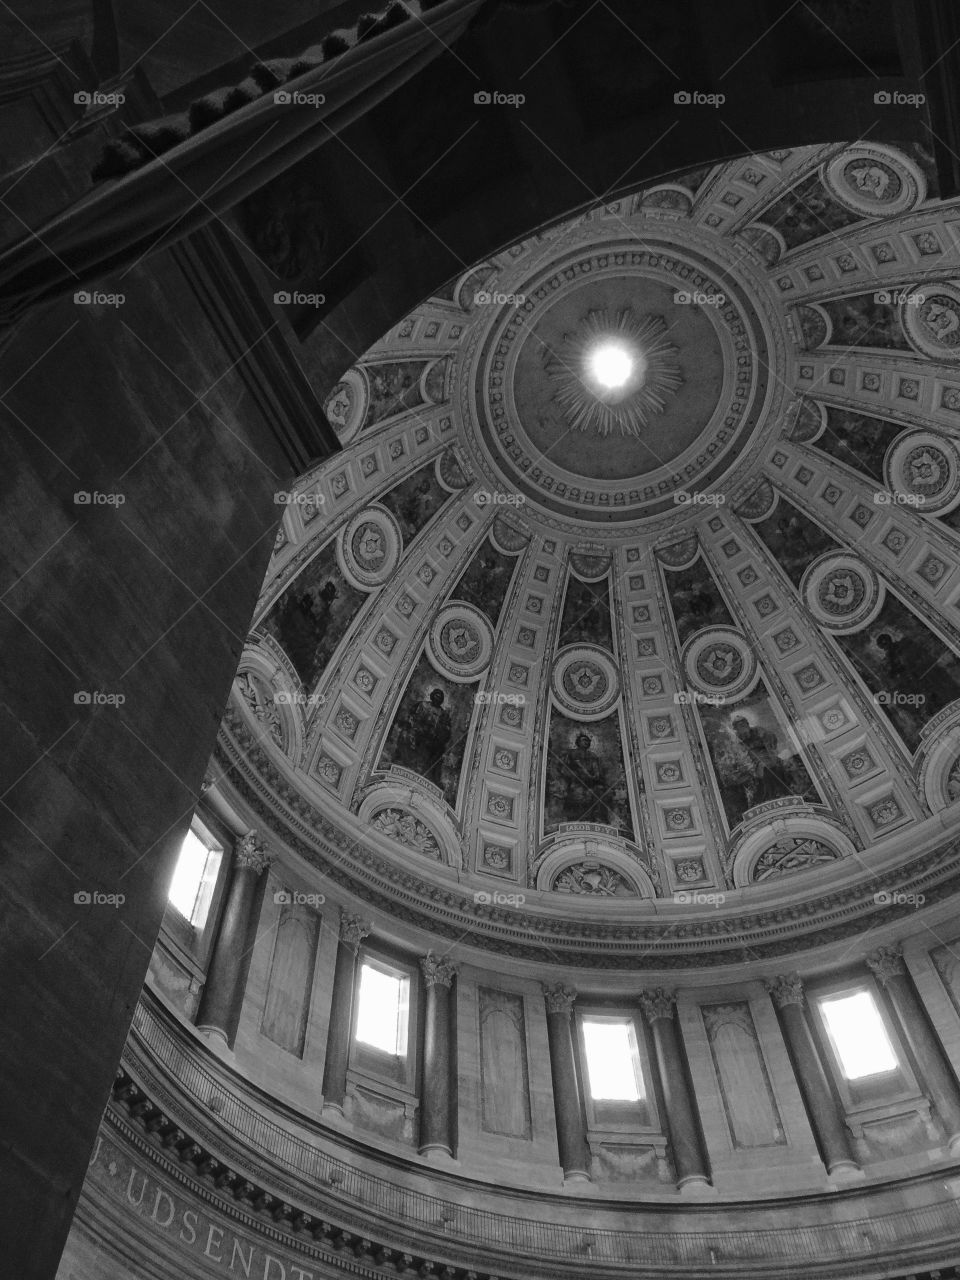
<point x="829" y="1129"/>
<point x="435" y="1098"/>
<point x="219" y="1010"/>
<point x="688" y="1156"/>
<point x="353" y="930"/>
<point x="568" y="1105"/>
<point x="937" y="1079"/>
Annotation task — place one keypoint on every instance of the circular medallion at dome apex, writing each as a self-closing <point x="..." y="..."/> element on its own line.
<point x="369" y="548"/>
<point x="585" y="681"/>
<point x="719" y="662"/>
<point x="841" y="592"/>
<point x="460" y="642"/>
<point x="693" y="331"/>
<point x="925" y="467"/>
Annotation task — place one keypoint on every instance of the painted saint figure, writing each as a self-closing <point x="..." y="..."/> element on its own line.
<point x="768" y="778"/>
<point x="424" y="738"/>
<point x="586" y="798"/>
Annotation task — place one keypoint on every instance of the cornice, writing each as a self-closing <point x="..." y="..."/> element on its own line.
<point x="659" y="943"/>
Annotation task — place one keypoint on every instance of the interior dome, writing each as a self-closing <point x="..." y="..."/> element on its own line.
<point x="646" y="676"/>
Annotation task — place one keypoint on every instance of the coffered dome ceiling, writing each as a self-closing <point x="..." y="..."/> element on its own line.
<point x="651" y="667"/>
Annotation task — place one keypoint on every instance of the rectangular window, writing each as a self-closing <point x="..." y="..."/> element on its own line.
<point x="858" y="1036"/>
<point x="195" y="877"/>
<point x="613" y="1060"/>
<point x="383" y="1009"/>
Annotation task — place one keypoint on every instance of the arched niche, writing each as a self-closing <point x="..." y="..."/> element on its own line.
<point x="406" y="817"/>
<point x="940" y="764"/>
<point x="599" y="854"/>
<point x="273" y="694"/>
<point x="803" y="836"/>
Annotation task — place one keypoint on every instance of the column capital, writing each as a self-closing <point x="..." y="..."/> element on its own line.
<point x="559" y="998"/>
<point x="437" y="970"/>
<point x="353" y="930"/>
<point x="886" y="963"/>
<point x="785" y="988"/>
<point x="250" y="853"/>
<point x="658" y="1004"/>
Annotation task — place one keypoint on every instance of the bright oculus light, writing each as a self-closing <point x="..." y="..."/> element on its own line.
<point x="611" y="365"/>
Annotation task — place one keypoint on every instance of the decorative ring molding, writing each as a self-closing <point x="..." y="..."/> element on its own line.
<point x="841" y="592"/>
<point x="460" y="643"/>
<point x="369" y="548"/>
<point x="930" y="314"/>
<point x="585" y="682"/>
<point x="346" y="405"/>
<point x="924" y="468"/>
<point x="685" y="269"/>
<point x="720" y="663"/>
<point x="875" y="181"/>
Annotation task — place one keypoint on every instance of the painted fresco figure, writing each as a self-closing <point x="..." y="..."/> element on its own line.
<point x="417" y="508"/>
<point x="768" y="778"/>
<point x="424" y="738"/>
<point x="585" y="799"/>
<point x="302" y="622"/>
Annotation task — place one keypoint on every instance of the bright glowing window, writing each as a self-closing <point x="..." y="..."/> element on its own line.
<point x="859" y="1037"/>
<point x="611" y="364"/>
<point x="613" y="1060"/>
<point x="195" y="877"/>
<point x="383" y="1009"/>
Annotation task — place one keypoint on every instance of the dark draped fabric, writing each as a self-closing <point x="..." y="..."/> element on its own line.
<point x="207" y="174"/>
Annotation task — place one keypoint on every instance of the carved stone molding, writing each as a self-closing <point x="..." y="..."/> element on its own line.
<point x="786" y="988"/>
<point x="774" y="931"/>
<point x="353" y="930"/>
<point x="658" y="1004"/>
<point x="251" y="853"/>
<point x="437" y="971"/>
<point x="559" y="999"/>
<point x="886" y="963"/>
